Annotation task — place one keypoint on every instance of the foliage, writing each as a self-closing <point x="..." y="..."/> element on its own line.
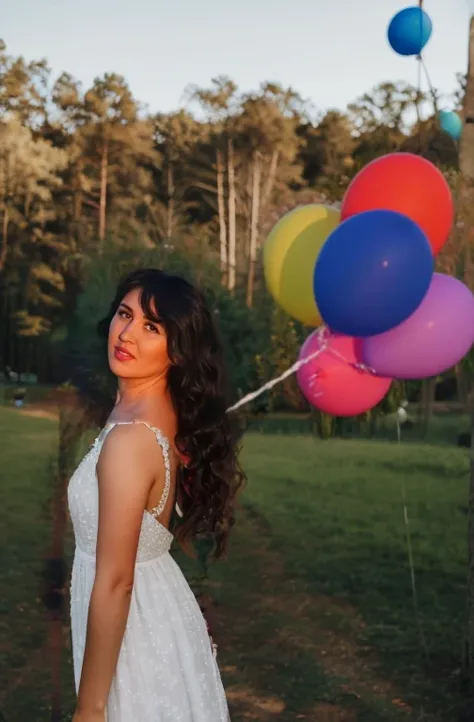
<point x="286" y="338"/>
<point x="244" y="331"/>
<point x="90" y="184"/>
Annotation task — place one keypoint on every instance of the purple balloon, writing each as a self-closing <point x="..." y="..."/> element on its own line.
<point x="433" y="339"/>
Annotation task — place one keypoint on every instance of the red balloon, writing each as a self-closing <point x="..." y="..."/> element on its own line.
<point x="408" y="184"/>
<point x="335" y="381"/>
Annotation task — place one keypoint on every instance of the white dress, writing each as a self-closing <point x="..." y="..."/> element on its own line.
<point x="166" y="671"/>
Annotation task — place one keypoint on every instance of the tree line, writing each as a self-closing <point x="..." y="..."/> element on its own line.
<point x="87" y="173"/>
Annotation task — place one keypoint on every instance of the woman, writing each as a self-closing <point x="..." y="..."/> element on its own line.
<point x="141" y="648"/>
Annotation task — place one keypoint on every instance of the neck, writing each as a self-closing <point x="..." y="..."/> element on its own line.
<point x="133" y="393"/>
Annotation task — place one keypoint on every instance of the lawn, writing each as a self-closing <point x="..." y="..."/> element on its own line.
<point x="313" y="612"/>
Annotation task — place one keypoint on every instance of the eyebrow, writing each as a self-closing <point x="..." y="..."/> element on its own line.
<point x="148" y="318"/>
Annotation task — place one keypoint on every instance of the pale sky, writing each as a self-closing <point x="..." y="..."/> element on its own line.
<point x="330" y="51"/>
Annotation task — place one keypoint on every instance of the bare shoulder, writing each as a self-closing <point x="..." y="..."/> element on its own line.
<point x="127" y="444"/>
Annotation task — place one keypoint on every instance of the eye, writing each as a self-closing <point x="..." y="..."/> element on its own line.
<point x="152" y="327"/>
<point x="122" y="313"/>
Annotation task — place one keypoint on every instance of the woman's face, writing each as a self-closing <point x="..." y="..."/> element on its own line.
<point x="137" y="346"/>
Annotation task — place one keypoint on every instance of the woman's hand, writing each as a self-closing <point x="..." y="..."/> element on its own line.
<point x="84" y="716"/>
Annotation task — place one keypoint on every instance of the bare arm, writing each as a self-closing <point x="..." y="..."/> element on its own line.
<point x="126" y="470"/>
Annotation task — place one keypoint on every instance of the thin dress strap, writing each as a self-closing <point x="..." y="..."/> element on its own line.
<point x="164" y="443"/>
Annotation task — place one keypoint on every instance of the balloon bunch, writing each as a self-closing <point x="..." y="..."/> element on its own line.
<point x="408" y="33"/>
<point x="370" y="280"/>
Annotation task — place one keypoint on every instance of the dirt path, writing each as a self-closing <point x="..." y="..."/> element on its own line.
<point x="40" y="413"/>
<point x="256" y="662"/>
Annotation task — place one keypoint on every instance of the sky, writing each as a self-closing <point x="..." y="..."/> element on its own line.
<point x="330" y="51"/>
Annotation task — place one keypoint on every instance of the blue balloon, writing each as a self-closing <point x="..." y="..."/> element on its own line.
<point x="372" y="273"/>
<point x="451" y="124"/>
<point x="409" y="31"/>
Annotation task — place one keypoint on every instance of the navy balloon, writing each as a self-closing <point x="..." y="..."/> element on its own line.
<point x="409" y="31"/>
<point x="372" y="272"/>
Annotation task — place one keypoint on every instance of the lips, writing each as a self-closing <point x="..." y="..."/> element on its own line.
<point x="122" y="355"/>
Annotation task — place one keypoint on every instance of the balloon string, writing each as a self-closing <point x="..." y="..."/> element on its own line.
<point x="324" y="337"/>
<point x="419" y="97"/>
<point x="422" y="66"/>
<point x="358" y="366"/>
<point x="430" y="84"/>
<point x="410" y="553"/>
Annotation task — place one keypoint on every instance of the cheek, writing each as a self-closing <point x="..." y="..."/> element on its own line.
<point x="154" y="350"/>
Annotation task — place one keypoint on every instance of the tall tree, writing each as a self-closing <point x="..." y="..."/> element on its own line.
<point x="386" y="105"/>
<point x="23" y="89"/>
<point x="176" y="136"/>
<point x="29" y="172"/>
<point x="68" y="97"/>
<point x="268" y="144"/>
<point x="327" y="153"/>
<point x="221" y="104"/>
<point x="112" y="110"/>
<point x="381" y="119"/>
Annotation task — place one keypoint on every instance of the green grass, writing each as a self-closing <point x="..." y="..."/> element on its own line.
<point x="323" y="530"/>
<point x="337" y="520"/>
<point x="27" y="452"/>
<point x="313" y="612"/>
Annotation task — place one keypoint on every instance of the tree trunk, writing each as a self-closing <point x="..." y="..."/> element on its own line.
<point x="466" y="165"/>
<point x="373" y="423"/>
<point x="4" y="250"/>
<point x="462" y="384"/>
<point x="254" y="225"/>
<point x="466" y="150"/>
<point x="231" y="259"/>
<point x="104" y="167"/>
<point x="221" y="211"/>
<point x="78" y="193"/>
<point x="428" y="387"/>
<point x="248" y="211"/>
<point x="271" y="178"/>
<point x="170" y="193"/>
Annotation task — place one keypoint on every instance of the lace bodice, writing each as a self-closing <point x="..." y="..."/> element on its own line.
<point x="83" y="498"/>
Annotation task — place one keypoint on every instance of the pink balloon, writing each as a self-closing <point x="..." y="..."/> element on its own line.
<point x="433" y="339"/>
<point x="334" y="382"/>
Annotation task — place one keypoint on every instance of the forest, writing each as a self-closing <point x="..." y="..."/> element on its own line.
<point x="92" y="184"/>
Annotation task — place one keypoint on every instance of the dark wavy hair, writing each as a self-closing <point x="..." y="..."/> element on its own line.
<point x="197" y="381"/>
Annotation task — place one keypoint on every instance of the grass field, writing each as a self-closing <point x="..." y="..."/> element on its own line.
<point x="313" y="611"/>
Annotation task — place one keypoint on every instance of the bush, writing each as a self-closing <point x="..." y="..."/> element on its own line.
<point x="244" y="331"/>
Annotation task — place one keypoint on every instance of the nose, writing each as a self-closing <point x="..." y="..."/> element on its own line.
<point x="127" y="333"/>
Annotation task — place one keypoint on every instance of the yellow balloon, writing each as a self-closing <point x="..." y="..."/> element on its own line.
<point x="289" y="257"/>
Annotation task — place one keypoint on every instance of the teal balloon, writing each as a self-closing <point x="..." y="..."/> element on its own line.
<point x="451" y="124"/>
<point x="409" y="31"/>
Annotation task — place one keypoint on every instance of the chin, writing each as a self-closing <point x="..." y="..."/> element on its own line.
<point x="121" y="373"/>
<point x="121" y="369"/>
